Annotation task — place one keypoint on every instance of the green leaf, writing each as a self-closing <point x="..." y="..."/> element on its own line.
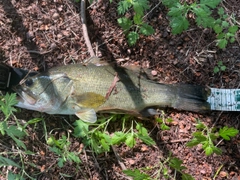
<point x="218" y="21"/>
<point x="213" y="136"/>
<point x="143" y="134"/>
<point x="34" y="121"/>
<point x="55" y="150"/>
<point x="72" y="156"/>
<point x="223" y="68"/>
<point x="105" y="145"/>
<point x="228" y="35"/>
<point x="233" y="29"/>
<point x="81" y="128"/>
<point x="199" y="136"/>
<point x="3" y="127"/>
<point x="146" y="29"/>
<point x="220" y="11"/>
<point x="217" y="28"/>
<point x="137" y="19"/>
<point x="222" y="43"/>
<point x="136" y="174"/>
<point x="125" y="23"/>
<point x="216" y="150"/>
<point x="12" y="176"/>
<point x="201" y="11"/>
<point x="193" y="142"/>
<point x="130" y="141"/>
<point x="225" y="16"/>
<point x="179" y="24"/>
<point x="220" y="63"/>
<point x="225" y="24"/>
<point x="132" y="38"/>
<point x="164" y="127"/>
<point x="7" y="162"/>
<point x="139" y="6"/>
<point x="232" y="40"/>
<point x="179" y="10"/>
<point x="200" y="126"/>
<point x="170" y="3"/>
<point x="118" y="137"/>
<point x="169" y="120"/>
<point x="176" y="164"/>
<point x="226" y="132"/>
<point x="221" y="36"/>
<point x="146" y="139"/>
<point x="123" y="7"/>
<point x="205" y="22"/>
<point x="105" y="140"/>
<point x="95" y="145"/>
<point x="186" y="176"/>
<point x="60" y="162"/>
<point x="13" y="130"/>
<point x="51" y="141"/>
<point x="211" y="3"/>
<point x="18" y="142"/>
<point x="141" y="130"/>
<point x="216" y="69"/>
<point x="208" y="150"/>
<point x="9" y="100"/>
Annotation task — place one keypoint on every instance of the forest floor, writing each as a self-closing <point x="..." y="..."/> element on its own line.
<point x="37" y="35"/>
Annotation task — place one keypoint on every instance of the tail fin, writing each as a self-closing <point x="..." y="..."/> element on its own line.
<point x="191" y="98"/>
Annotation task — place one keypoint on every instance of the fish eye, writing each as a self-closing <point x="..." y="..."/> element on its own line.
<point x="28" y="82"/>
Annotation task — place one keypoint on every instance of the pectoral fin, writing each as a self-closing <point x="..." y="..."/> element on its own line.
<point x="87" y="115"/>
<point x="90" y="100"/>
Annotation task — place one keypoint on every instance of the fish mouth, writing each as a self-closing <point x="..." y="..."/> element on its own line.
<point x="23" y="96"/>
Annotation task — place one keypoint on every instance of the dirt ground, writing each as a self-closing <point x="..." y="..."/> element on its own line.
<point x="40" y="34"/>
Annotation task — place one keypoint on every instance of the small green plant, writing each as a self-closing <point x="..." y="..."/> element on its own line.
<point x="203" y="10"/>
<point x="61" y="148"/>
<point x="99" y="139"/>
<point x="220" y="67"/>
<point x="136" y="174"/>
<point x="6" y="105"/>
<point x="171" y="162"/>
<point x="225" y="32"/>
<point x="206" y="136"/>
<point x="163" y="122"/>
<point x="176" y="164"/>
<point x="135" y="25"/>
<point x="16" y="132"/>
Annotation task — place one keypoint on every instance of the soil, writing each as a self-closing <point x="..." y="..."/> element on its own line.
<point x="37" y="35"/>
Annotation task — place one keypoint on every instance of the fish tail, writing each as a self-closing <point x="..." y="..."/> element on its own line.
<point x="191" y="98"/>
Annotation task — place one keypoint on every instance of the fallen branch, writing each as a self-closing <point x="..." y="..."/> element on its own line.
<point x="84" y="28"/>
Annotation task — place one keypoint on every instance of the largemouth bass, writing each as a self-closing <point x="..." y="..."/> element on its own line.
<point x="84" y="90"/>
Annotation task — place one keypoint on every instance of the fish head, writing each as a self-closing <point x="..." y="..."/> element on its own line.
<point x="42" y="92"/>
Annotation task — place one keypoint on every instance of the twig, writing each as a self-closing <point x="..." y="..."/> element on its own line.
<point x="175" y="141"/>
<point x="112" y="87"/>
<point x="122" y="165"/>
<point x="37" y="52"/>
<point x="118" y="158"/>
<point x="86" y="158"/>
<point x="84" y="27"/>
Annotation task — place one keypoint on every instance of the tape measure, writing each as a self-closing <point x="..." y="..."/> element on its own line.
<point x="224" y="99"/>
